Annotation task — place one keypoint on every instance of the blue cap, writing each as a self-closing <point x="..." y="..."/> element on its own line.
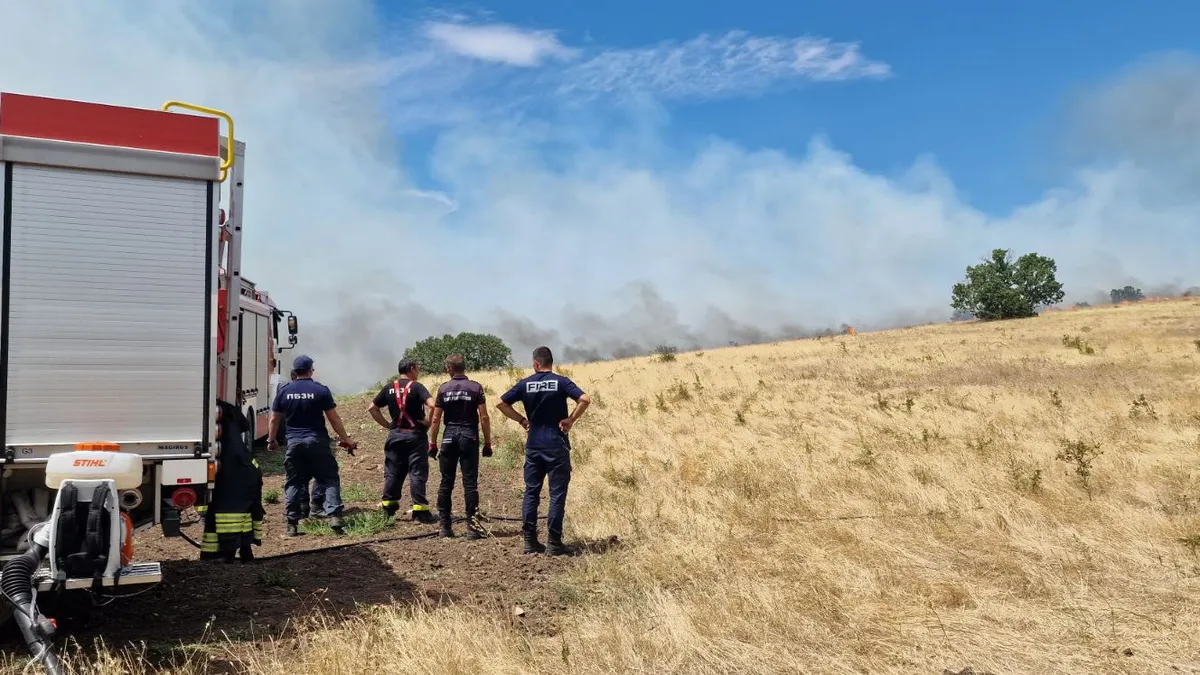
<point x="303" y="363"/>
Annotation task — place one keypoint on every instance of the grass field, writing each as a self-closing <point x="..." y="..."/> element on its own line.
<point x="1012" y="497"/>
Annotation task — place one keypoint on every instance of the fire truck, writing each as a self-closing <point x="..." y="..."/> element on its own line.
<point x="121" y="240"/>
<point x="259" y="366"/>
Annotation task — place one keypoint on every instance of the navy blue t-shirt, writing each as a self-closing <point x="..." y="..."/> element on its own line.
<point x="545" y="397"/>
<point x="303" y="403"/>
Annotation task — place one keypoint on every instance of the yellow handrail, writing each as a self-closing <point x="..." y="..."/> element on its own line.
<point x="228" y="161"/>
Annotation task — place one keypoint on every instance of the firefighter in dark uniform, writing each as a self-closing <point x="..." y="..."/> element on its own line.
<point x="463" y="405"/>
<point x="317" y="507"/>
<point x="547" y="445"/>
<point x="405" y="453"/>
<point x="302" y="406"/>
<point x="233" y="519"/>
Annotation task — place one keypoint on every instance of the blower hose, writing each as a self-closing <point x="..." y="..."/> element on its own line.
<point x="17" y="586"/>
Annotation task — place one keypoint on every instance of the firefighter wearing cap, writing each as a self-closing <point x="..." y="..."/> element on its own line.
<point x="463" y="404"/>
<point x="302" y="407"/>
<point x="233" y="519"/>
<point x="405" y="453"/>
<point x="318" y="489"/>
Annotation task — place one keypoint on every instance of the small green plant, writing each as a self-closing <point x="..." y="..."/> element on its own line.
<point x="509" y="451"/>
<point x="1025" y="478"/>
<point x="1055" y="399"/>
<point x="274" y="578"/>
<point x="360" y="524"/>
<point x="982" y="443"/>
<point x="680" y="392"/>
<point x="1080" y="455"/>
<point x="660" y="402"/>
<point x="929" y="438"/>
<point x="739" y="416"/>
<point x="640" y="407"/>
<point x="881" y="402"/>
<point x="908" y="404"/>
<point x="271" y="496"/>
<point x="666" y="353"/>
<point x="1141" y="408"/>
<point x="1079" y="344"/>
<point x="357" y="493"/>
<point x="624" y="478"/>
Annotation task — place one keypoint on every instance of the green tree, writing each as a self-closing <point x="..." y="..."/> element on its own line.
<point x="481" y="351"/>
<point x="999" y="288"/>
<point x="1128" y="293"/>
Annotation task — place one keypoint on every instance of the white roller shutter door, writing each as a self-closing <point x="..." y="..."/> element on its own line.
<point x="107" y="306"/>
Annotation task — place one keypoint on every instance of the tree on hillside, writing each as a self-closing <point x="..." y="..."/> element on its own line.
<point x="481" y="351"/>
<point x="1128" y="293"/>
<point x="999" y="288"/>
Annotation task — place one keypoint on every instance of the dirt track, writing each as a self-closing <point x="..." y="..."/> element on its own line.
<point x="206" y="602"/>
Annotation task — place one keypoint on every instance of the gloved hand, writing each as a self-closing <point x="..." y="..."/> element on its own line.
<point x="348" y="445"/>
<point x="487" y="450"/>
<point x="433" y="450"/>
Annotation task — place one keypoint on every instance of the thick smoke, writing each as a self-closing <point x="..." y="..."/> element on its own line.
<point x="587" y="231"/>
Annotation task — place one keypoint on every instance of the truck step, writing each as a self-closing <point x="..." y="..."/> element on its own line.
<point x="139" y="573"/>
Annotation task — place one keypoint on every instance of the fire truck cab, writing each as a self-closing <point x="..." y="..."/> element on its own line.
<point x="259" y="367"/>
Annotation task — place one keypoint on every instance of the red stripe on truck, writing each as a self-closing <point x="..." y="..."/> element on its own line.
<point x="101" y="124"/>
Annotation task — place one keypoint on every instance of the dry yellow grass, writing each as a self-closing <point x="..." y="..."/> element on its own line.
<point x="885" y="502"/>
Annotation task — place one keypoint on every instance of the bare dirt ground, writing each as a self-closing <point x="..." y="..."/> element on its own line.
<point x="320" y="572"/>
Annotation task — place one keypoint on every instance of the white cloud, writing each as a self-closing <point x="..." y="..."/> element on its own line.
<point x="730" y="64"/>
<point x="560" y="233"/>
<point x="499" y="43"/>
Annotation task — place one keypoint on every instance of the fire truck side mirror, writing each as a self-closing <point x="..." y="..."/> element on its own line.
<point x="293" y="326"/>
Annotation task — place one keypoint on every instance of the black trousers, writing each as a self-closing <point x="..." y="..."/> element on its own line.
<point x="460" y="447"/>
<point x="305" y="461"/>
<point x="540" y="464"/>
<point x="405" y="454"/>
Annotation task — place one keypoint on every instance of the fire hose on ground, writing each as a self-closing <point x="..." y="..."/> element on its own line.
<point x="17" y="587"/>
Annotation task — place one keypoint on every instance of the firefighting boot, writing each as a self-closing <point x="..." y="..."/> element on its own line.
<point x="474" y="530"/>
<point x="389" y="510"/>
<point x="293" y="529"/>
<point x="445" y="531"/>
<point x="557" y="547"/>
<point x="335" y="524"/>
<point x="532" y="545"/>
<point x="423" y="516"/>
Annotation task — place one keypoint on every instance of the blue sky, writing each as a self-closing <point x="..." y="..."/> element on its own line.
<point x="970" y="80"/>
<point x="605" y="178"/>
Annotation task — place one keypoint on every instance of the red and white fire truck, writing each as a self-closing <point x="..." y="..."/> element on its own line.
<point x="122" y="232"/>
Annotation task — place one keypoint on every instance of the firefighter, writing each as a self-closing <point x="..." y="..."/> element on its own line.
<point x="233" y="519"/>
<point x="547" y="445"/>
<point x="463" y="404"/>
<point x="405" y="453"/>
<point x="318" y="489"/>
<point x="302" y="407"/>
